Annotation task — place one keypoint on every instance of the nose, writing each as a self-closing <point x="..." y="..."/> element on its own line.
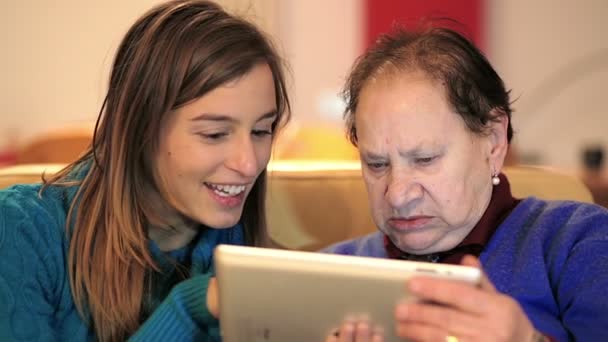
<point x="402" y="189"/>
<point x="242" y="158"/>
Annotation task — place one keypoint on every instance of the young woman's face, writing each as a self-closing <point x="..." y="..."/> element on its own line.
<point x="213" y="149"/>
<point x="428" y="177"/>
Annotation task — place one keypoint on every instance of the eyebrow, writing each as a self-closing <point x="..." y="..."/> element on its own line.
<point x="371" y="156"/>
<point x="422" y="149"/>
<point x="226" y="118"/>
<point x="412" y="153"/>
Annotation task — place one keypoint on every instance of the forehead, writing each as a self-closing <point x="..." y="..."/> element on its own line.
<point x="249" y="95"/>
<point x="406" y="107"/>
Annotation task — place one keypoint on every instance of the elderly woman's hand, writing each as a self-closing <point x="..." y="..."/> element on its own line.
<point x="356" y="330"/>
<point x="468" y="313"/>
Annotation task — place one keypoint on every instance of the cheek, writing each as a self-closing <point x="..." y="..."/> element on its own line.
<point x="183" y="164"/>
<point x="454" y="199"/>
<point x="457" y="180"/>
<point x="375" y="191"/>
<point x="170" y="163"/>
<point x="163" y="163"/>
<point x="172" y="166"/>
<point x="170" y="176"/>
<point x="447" y="192"/>
<point x="263" y="151"/>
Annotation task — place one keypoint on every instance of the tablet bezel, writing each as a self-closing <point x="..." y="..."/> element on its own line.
<point x="280" y="295"/>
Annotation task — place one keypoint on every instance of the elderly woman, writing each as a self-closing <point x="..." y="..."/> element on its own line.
<point x="432" y="121"/>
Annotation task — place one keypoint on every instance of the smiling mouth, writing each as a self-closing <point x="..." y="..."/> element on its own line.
<point x="226" y="190"/>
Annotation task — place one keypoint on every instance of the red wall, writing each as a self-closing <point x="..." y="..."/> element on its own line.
<point x="380" y="15"/>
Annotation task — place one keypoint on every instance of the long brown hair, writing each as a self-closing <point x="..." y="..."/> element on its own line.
<point x="174" y="54"/>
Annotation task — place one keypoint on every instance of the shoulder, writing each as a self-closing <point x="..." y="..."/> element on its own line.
<point x="574" y="237"/>
<point x="32" y="239"/>
<point x="369" y="245"/>
<point x="30" y="221"/>
<point x="560" y="224"/>
<point x="563" y="213"/>
<point x="560" y="207"/>
<point x="25" y="203"/>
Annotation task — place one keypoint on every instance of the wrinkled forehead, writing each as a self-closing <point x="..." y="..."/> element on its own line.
<point x="408" y="107"/>
<point x="402" y="91"/>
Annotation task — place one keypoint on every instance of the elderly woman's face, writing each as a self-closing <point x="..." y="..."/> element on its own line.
<point x="428" y="177"/>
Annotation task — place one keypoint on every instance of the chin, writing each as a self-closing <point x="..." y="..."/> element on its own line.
<point x="214" y="217"/>
<point x="411" y="243"/>
<point x="222" y="222"/>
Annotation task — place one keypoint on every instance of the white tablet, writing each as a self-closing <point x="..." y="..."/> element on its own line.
<point x="279" y="295"/>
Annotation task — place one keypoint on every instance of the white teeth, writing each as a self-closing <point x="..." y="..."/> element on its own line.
<point x="227" y="190"/>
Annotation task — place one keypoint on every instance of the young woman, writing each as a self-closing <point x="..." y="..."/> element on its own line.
<point x="119" y="244"/>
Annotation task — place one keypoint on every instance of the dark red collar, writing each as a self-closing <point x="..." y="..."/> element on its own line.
<point x="501" y="205"/>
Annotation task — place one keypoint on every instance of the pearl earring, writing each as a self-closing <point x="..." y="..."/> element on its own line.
<point x="495" y="180"/>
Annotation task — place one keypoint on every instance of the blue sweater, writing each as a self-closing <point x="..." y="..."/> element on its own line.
<point x="36" y="302"/>
<point x="552" y="257"/>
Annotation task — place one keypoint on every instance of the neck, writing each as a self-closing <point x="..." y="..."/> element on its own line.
<point x="175" y="236"/>
<point x="169" y="229"/>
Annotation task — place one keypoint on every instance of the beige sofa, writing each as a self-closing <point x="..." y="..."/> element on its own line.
<point x="312" y="204"/>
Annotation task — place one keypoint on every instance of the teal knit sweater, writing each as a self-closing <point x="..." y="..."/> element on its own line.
<point x="36" y="302"/>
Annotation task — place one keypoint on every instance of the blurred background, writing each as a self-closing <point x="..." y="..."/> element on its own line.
<point x="553" y="54"/>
